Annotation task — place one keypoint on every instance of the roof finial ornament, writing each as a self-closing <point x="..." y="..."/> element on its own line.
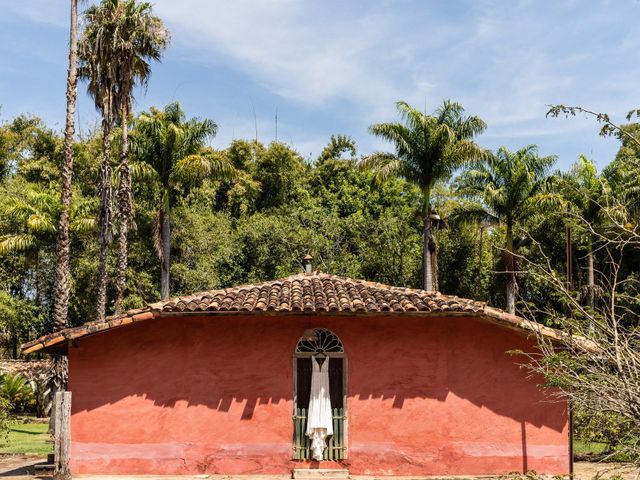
<point x="308" y="264"/>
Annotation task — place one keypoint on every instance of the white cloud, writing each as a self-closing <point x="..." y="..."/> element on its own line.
<point x="297" y="50"/>
<point x="504" y="60"/>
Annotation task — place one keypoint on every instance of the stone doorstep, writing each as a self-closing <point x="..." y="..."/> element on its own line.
<point x="319" y="473"/>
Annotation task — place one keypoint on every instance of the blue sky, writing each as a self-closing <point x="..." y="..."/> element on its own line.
<point x="337" y="66"/>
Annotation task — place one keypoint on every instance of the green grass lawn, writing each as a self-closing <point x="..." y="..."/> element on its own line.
<point x="27" y="438"/>
<point x="596" y="451"/>
<point x="581" y="447"/>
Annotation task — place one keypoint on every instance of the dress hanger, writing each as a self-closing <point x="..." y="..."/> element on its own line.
<point x="320" y="358"/>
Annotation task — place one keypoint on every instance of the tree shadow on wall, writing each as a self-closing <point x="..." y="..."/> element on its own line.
<point x="236" y="364"/>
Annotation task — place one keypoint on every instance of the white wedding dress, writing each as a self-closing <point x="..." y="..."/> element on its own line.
<point x="320" y="418"/>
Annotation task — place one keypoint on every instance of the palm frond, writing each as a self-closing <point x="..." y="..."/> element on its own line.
<point x="221" y="167"/>
<point x="395" y="133"/>
<point x="38" y="223"/>
<point x="544" y="203"/>
<point x="472" y="183"/>
<point x="120" y="39"/>
<point x="194" y="168"/>
<point x="383" y="165"/>
<point x="512" y="185"/>
<point x="19" y="210"/>
<point x="429" y="148"/>
<point x="83" y="225"/>
<point x="472" y="212"/>
<point x="143" y="172"/>
<point x="337" y="146"/>
<point x="16" y="243"/>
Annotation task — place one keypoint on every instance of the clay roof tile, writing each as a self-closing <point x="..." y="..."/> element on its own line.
<point x="298" y="293"/>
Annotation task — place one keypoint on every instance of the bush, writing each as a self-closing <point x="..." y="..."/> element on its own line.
<point x="615" y="434"/>
<point x="17" y="392"/>
<point x="5" y="407"/>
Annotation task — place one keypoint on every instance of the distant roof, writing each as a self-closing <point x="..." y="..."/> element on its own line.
<point x="301" y="294"/>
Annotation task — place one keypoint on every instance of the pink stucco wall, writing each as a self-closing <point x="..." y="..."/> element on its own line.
<point x="426" y="396"/>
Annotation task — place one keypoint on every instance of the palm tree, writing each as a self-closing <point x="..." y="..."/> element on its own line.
<point x="138" y="38"/>
<point x="61" y="276"/>
<point x="586" y="192"/>
<point x="429" y="148"/>
<point x="337" y="146"/>
<point x="60" y="310"/>
<point x="34" y="217"/>
<point x="98" y="67"/>
<point x="168" y="152"/>
<point x="510" y="187"/>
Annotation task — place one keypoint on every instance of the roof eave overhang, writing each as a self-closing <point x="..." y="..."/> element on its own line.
<point x="58" y="343"/>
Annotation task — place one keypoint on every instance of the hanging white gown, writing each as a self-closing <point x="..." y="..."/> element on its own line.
<point x="319" y="417"/>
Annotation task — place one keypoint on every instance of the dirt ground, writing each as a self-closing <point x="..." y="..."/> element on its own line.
<point x="589" y="470"/>
<point x="21" y="467"/>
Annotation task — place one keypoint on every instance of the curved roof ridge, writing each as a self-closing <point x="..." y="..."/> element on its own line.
<point x="316" y="293"/>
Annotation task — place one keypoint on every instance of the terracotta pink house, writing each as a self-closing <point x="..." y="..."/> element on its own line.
<point x="422" y="384"/>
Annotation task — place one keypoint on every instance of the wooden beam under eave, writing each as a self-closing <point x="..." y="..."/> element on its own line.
<point x="33" y="348"/>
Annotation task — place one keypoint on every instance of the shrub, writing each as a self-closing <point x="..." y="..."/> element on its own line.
<point x="4" y="420"/>
<point x="17" y="392"/>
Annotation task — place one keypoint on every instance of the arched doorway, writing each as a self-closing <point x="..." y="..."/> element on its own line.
<point x="320" y="341"/>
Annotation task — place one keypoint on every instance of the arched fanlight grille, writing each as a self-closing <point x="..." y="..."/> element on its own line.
<point x="325" y="342"/>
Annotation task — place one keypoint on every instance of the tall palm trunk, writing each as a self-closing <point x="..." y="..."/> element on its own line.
<point x="166" y="250"/>
<point x="427" y="239"/>
<point x="433" y="246"/>
<point x="61" y="278"/>
<point x="59" y="368"/>
<point x="104" y="237"/>
<point x="511" y="274"/>
<point x="124" y="207"/>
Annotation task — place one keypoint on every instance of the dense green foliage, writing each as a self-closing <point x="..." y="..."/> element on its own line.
<point x="258" y="222"/>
